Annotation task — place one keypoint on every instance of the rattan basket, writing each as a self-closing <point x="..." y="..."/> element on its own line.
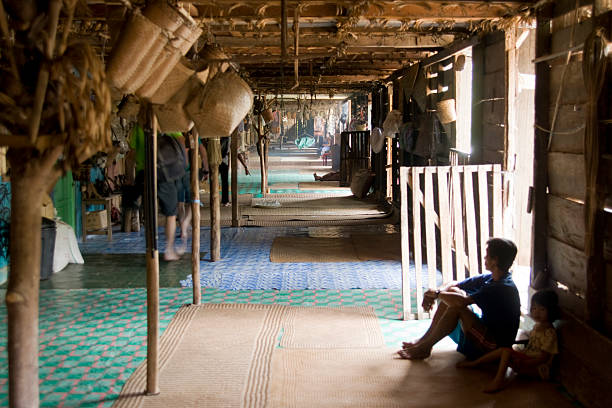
<point x="134" y="45"/>
<point x="166" y="61"/>
<point x="175" y="80"/>
<point x="172" y="116"/>
<point x="164" y="15"/>
<point x="140" y="76"/>
<point x="186" y="35"/>
<point x="219" y="107"/>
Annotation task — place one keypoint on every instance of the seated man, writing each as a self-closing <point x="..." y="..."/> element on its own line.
<point x="495" y="294"/>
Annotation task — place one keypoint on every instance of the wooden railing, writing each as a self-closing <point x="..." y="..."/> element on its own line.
<point x="448" y="210"/>
<point x="354" y="154"/>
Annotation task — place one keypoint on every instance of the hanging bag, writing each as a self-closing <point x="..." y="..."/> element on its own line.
<point x="171" y="159"/>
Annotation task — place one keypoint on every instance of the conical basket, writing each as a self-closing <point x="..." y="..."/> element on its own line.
<point x="172" y="116"/>
<point x="133" y="46"/>
<point x="164" y="15"/>
<point x="172" y="84"/>
<point x="165" y="63"/>
<point x="145" y="66"/>
<point x="220" y="105"/>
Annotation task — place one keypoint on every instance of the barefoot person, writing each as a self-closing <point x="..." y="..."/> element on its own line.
<point x="535" y="360"/>
<point x="495" y="294"/>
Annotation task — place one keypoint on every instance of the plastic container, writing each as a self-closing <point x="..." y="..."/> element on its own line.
<point x="48" y="232"/>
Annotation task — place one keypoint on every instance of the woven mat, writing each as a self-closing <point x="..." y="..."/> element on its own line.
<point x="331" y="327"/>
<point x="366" y="378"/>
<point x="313" y="211"/>
<point x="321" y="202"/>
<point x="302" y="196"/>
<point x="283" y="186"/>
<point x="322" y="185"/>
<point x="201" y="353"/>
<point x="218" y="355"/>
<point x="318" y="222"/>
<point x="366" y="247"/>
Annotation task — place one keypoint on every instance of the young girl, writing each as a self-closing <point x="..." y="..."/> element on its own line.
<point x="536" y="358"/>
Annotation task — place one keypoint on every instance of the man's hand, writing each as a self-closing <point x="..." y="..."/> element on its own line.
<point x="429" y="298"/>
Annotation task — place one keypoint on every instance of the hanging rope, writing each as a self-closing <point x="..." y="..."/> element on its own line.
<point x="594" y="74"/>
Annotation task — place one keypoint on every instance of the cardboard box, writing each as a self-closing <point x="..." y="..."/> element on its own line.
<point x="96" y="220"/>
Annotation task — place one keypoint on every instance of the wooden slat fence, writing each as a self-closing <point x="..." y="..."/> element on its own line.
<point x="354" y="154"/>
<point x="453" y="210"/>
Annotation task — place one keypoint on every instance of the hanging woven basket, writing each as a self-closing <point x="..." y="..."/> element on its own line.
<point x="218" y="107"/>
<point x="186" y="35"/>
<point x="267" y="115"/>
<point x="164" y="64"/>
<point x="164" y="15"/>
<point x="172" y="116"/>
<point x="175" y="80"/>
<point x="138" y="40"/>
<point x="145" y="66"/>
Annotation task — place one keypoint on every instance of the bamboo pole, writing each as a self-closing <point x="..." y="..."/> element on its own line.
<point x="260" y="151"/>
<point x="152" y="253"/>
<point x="215" y="205"/>
<point x="266" y="145"/>
<point x="32" y="176"/>
<point x="234" y="164"/>
<point x="195" y="218"/>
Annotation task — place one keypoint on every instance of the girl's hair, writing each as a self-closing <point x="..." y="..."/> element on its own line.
<point x="549" y="300"/>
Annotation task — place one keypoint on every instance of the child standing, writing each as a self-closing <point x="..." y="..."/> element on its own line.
<point x="535" y="360"/>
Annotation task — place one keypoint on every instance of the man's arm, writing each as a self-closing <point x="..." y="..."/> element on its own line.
<point x="449" y="293"/>
<point x="242" y="160"/>
<point x="455" y="299"/>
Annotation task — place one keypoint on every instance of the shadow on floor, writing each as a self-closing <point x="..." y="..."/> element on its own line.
<point x="118" y="271"/>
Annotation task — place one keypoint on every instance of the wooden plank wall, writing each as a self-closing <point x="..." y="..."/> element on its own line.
<point x="582" y="369"/>
<point x="492" y="98"/>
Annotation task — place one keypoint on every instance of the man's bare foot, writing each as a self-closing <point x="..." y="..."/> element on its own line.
<point x="494" y="386"/>
<point x="407" y="345"/>
<point x="415" y="353"/>
<point x="171" y="256"/>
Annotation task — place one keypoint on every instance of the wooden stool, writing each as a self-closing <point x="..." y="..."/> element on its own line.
<point x="107" y="202"/>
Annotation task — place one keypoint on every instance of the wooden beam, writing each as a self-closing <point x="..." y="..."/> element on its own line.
<point x="406" y="41"/>
<point x="391" y="9"/>
<point x="451" y="50"/>
<point x="331" y="78"/>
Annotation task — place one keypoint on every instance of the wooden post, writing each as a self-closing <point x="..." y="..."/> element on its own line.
<point x="405" y="237"/>
<point x="266" y="145"/>
<point x="540" y="162"/>
<point x="32" y="176"/>
<point x="195" y="218"/>
<point x="152" y="253"/>
<point x="260" y="150"/>
<point x="215" y="204"/>
<point x="234" y="164"/>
